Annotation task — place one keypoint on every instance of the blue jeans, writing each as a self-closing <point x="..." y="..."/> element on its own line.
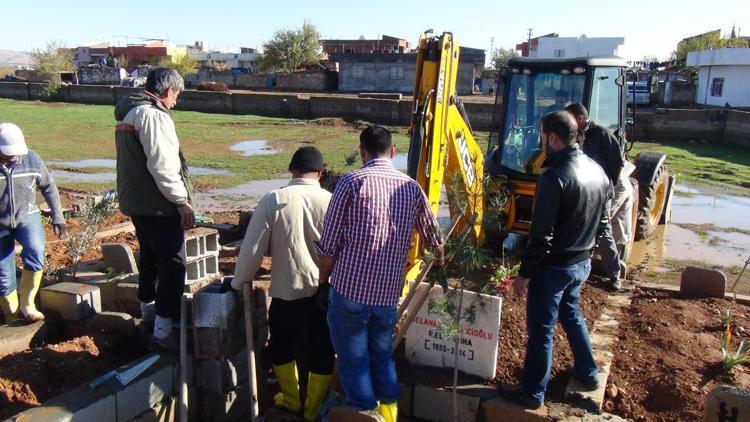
<point x="362" y="336"/>
<point x="553" y="293"/>
<point x="30" y="234"/>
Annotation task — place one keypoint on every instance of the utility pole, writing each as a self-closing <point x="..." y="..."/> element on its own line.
<point x="531" y="31"/>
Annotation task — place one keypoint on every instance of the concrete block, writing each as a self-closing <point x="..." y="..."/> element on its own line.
<point x="499" y="409"/>
<point x="591" y="400"/>
<point x="436" y="404"/>
<point x="126" y="299"/>
<point x="351" y="414"/>
<point x="219" y="343"/>
<point x="73" y="301"/>
<point x="211" y="265"/>
<point x="727" y="403"/>
<point x="165" y="411"/>
<point x="107" y="287"/>
<point x="144" y="392"/>
<point x="195" y="271"/>
<point x="702" y="282"/>
<point x="406" y="400"/>
<point x="232" y="406"/>
<point x="19" y="337"/>
<point x="215" y="309"/>
<point x="79" y="404"/>
<point x="111" y="322"/>
<point x="120" y="257"/>
<point x="212" y="243"/>
<point x="222" y="375"/>
<point x="82" y="276"/>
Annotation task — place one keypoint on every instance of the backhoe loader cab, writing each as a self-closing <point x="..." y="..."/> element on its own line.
<point x="530" y="88"/>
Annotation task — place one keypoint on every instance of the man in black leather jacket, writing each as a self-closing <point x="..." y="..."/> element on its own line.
<point x="602" y="146"/>
<point x="569" y="214"/>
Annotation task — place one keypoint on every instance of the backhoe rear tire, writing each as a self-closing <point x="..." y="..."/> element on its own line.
<point x="651" y="199"/>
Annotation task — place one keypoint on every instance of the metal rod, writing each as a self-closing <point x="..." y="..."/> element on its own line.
<point x="747" y="261"/>
<point x="183" y="360"/>
<point x="250" y="351"/>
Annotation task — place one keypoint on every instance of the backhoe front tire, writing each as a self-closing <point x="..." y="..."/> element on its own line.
<point x="651" y="199"/>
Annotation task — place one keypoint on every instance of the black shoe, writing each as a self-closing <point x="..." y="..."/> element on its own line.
<point x="169" y="344"/>
<point x="588" y="384"/>
<point x="516" y="394"/>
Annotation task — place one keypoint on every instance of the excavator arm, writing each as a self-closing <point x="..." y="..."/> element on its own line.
<point x="442" y="149"/>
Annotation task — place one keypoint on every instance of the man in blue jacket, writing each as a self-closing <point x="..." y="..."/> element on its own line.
<point x="21" y="172"/>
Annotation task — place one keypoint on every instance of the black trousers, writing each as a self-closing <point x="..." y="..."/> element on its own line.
<point x="286" y="322"/>
<point x="160" y="240"/>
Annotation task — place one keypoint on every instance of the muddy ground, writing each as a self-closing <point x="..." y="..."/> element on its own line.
<point x="29" y="378"/>
<point x="670" y="356"/>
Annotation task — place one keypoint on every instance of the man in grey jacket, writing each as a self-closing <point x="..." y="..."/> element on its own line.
<point x="154" y="189"/>
<point x="21" y="172"/>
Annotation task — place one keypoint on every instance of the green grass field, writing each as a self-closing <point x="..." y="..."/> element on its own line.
<point x="68" y="132"/>
<point x="71" y="132"/>
<point x="720" y="165"/>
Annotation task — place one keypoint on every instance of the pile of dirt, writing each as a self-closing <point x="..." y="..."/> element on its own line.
<point x="29" y="378"/>
<point x="669" y="356"/>
<point x="212" y="86"/>
<point x="512" y="348"/>
<point x="513" y="337"/>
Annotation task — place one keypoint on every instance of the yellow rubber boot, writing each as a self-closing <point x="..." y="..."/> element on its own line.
<point x="317" y="388"/>
<point x="30" y="282"/>
<point x="389" y="411"/>
<point x="288" y="398"/>
<point x="9" y="305"/>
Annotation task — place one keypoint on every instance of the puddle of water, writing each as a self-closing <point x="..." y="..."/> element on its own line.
<point x="110" y="163"/>
<point x="400" y="161"/>
<point x="705" y="206"/>
<point x="242" y="197"/>
<point x="256" y="147"/>
<point x="72" y="176"/>
<point x="710" y="208"/>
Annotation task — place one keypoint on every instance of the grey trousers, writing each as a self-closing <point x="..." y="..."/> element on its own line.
<point x="619" y="229"/>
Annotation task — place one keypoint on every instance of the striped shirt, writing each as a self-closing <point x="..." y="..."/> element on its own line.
<point x="368" y="228"/>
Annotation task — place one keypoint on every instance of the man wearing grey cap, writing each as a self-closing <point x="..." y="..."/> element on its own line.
<point x="21" y="172"/>
<point x="288" y="222"/>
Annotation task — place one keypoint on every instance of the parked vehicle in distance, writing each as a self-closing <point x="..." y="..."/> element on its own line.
<point x="640" y="90"/>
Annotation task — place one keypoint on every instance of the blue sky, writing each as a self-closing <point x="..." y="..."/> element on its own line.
<point x="649" y="27"/>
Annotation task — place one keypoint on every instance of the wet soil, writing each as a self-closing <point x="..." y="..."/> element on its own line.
<point x="29" y="378"/>
<point x="669" y="356"/>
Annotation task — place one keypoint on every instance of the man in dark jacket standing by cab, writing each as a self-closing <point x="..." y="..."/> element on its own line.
<point x="569" y="214"/>
<point x="602" y="146"/>
<point x="154" y="189"/>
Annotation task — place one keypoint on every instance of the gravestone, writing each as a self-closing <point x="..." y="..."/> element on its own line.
<point x="120" y="257"/>
<point x="702" y="282"/>
<point x="427" y="344"/>
<point x="727" y="404"/>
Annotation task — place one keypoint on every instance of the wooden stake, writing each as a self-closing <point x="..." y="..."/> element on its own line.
<point x="247" y="304"/>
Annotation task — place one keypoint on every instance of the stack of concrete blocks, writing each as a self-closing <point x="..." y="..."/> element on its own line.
<point x="221" y="367"/>
<point x="200" y="254"/>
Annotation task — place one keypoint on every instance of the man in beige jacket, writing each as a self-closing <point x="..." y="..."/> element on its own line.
<point x="288" y="222"/>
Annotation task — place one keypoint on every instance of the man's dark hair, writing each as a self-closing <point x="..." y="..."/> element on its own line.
<point x="577" y="110"/>
<point x="562" y="124"/>
<point x="161" y="79"/>
<point x="376" y="140"/>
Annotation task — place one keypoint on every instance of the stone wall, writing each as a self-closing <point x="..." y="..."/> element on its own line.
<point x="308" y="81"/>
<point x="712" y="125"/>
<point x="737" y="129"/>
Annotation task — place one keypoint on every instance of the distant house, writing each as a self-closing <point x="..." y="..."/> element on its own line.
<point x="152" y="52"/>
<point x="394" y="72"/>
<point x="247" y="58"/>
<point x="555" y="46"/>
<point x="384" y="45"/>
<point x="723" y="76"/>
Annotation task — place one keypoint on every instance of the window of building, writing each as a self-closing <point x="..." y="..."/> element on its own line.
<point x="397" y="72"/>
<point x="358" y="71"/>
<point x="559" y="52"/>
<point x="717" y="87"/>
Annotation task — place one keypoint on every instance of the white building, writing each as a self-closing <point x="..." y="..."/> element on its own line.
<point x="723" y="76"/>
<point x="246" y="60"/>
<point x="583" y="46"/>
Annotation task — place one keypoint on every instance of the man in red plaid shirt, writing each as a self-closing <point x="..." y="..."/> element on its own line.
<point x="366" y="236"/>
